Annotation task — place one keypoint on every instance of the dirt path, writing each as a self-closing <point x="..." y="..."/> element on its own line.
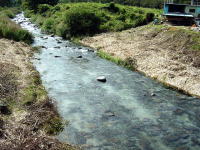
<point x="163" y="53"/>
<point x="27" y="116"/>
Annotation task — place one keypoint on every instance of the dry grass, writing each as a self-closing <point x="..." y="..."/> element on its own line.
<point x="8" y="85"/>
<point x="167" y="54"/>
<point x="33" y="116"/>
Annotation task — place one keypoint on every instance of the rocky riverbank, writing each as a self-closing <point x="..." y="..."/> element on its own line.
<point x="167" y="54"/>
<point x="28" y="117"/>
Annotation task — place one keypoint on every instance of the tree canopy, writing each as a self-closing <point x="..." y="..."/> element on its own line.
<point x="4" y="3"/>
<point x="33" y="4"/>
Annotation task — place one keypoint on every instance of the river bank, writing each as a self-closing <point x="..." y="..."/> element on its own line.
<point x="167" y="54"/>
<point x="28" y="117"/>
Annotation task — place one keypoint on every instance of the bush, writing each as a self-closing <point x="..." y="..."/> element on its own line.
<point x="76" y="19"/>
<point x="82" y="21"/>
<point x="8" y="13"/>
<point x="33" y="4"/>
<point x="62" y="30"/>
<point x="113" y="8"/>
<point x="48" y="25"/>
<point x="10" y="30"/>
<point x="149" y="17"/>
<point x="43" y="8"/>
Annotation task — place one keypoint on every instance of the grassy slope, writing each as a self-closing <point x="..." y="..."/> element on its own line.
<point x="54" y="19"/>
<point x="10" y="30"/>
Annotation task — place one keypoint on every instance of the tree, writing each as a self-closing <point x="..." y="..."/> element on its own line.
<point x="4" y="3"/>
<point x="33" y="4"/>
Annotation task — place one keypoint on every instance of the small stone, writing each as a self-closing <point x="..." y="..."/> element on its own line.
<point x="52" y="35"/>
<point x="57" y="56"/>
<point x="110" y="114"/>
<point x="59" y="42"/>
<point x="57" y="47"/>
<point x="101" y="79"/>
<point x="153" y="94"/>
<point x="43" y="47"/>
<point x="80" y="56"/>
<point x="90" y="50"/>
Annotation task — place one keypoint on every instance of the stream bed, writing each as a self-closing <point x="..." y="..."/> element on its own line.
<point x="128" y="112"/>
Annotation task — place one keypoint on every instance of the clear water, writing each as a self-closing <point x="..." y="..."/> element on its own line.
<point x="120" y="114"/>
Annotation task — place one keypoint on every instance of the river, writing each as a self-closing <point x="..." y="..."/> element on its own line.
<point x="128" y="112"/>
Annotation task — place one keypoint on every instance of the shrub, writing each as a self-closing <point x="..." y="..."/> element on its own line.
<point x="62" y="30"/>
<point x="76" y="19"/>
<point x="48" y="25"/>
<point x="82" y="21"/>
<point x="149" y="17"/>
<point x="10" y="30"/>
<point x="43" y="8"/>
<point x="33" y="4"/>
<point x="140" y="21"/>
<point x="56" y="8"/>
<point x="8" y="13"/>
<point x="113" y="8"/>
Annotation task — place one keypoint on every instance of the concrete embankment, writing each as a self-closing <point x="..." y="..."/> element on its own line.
<point x="167" y="54"/>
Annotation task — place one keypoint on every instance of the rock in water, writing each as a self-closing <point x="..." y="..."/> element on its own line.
<point x="80" y="56"/>
<point x="101" y="79"/>
<point x="57" y="56"/>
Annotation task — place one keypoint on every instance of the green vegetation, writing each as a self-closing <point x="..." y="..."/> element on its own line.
<point x="129" y="63"/>
<point x="77" y="19"/>
<point x="10" y="30"/>
<point x="33" y="4"/>
<point x="4" y="3"/>
<point x="140" y="3"/>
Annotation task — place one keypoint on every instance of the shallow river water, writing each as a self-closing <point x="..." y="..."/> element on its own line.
<point x="121" y="114"/>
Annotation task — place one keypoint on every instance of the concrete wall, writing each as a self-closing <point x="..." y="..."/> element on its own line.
<point x="197" y="10"/>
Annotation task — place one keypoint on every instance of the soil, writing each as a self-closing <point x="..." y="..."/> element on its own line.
<point x="163" y="53"/>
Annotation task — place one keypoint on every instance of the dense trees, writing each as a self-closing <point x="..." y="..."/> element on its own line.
<point x="33" y="4"/>
<point x="5" y="3"/>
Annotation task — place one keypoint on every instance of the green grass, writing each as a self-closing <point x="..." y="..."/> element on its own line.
<point x="77" y="19"/>
<point x="10" y="30"/>
<point x="129" y="63"/>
